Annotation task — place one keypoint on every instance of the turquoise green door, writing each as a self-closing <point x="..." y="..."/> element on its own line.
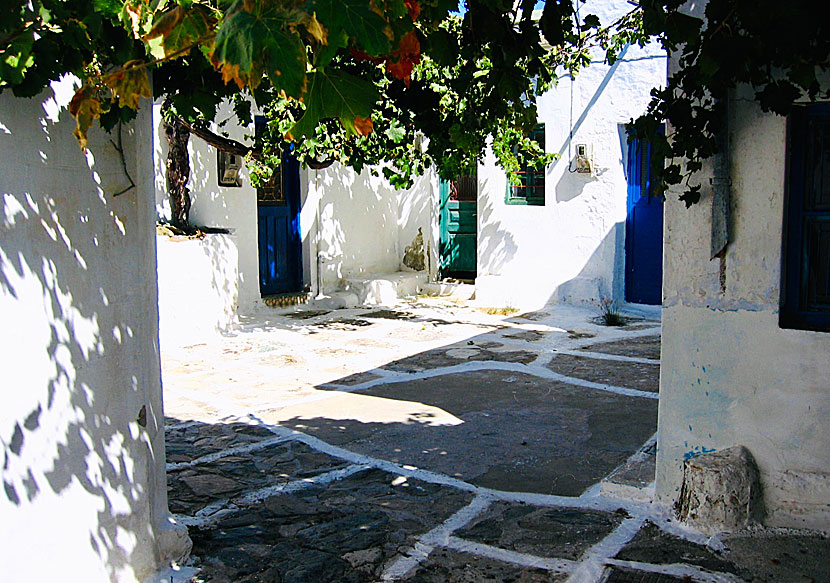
<point x="458" y="227"/>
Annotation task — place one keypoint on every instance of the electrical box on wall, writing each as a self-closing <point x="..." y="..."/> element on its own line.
<point x="228" y="167"/>
<point x="584" y="159"/>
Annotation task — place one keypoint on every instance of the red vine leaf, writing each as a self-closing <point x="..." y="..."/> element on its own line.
<point x="85" y="107"/>
<point x="363" y="125"/>
<point x="402" y="61"/>
<point x="129" y="85"/>
<point x="414" y="8"/>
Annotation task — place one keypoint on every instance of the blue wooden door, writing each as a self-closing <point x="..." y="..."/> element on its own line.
<point x="458" y="227"/>
<point x="278" y="220"/>
<point x="643" y="231"/>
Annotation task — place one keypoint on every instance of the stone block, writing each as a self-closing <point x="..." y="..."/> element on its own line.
<point x="721" y="491"/>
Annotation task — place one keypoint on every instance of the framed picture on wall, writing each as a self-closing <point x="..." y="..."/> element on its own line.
<point x="227" y="169"/>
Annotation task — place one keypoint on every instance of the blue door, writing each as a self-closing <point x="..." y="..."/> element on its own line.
<point x="643" y="231"/>
<point x="278" y="219"/>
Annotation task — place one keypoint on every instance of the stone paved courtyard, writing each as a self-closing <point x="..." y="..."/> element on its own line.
<point x="433" y="442"/>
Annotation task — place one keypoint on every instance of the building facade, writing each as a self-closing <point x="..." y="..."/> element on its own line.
<point x="82" y="425"/>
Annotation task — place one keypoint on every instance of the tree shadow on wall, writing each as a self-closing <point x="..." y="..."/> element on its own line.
<point x="79" y="427"/>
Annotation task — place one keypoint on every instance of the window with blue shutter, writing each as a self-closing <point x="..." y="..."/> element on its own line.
<point x="805" y="289"/>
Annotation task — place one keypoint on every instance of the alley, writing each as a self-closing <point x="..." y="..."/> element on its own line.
<point x="431" y="442"/>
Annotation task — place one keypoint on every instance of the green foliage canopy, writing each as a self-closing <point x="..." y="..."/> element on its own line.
<point x="360" y="81"/>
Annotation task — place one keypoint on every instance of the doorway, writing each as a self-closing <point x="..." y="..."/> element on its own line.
<point x="278" y="227"/>
<point x="643" y="230"/>
<point x="458" y="237"/>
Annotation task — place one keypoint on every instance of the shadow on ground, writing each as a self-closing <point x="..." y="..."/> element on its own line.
<point x="498" y="429"/>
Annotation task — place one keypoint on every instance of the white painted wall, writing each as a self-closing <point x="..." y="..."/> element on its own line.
<point x="730" y="375"/>
<point x="571" y="249"/>
<point x="358" y="226"/>
<point x="84" y="494"/>
<point x="365" y="224"/>
<point x="198" y="288"/>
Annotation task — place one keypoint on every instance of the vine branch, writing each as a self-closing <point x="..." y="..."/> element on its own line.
<point x="120" y="149"/>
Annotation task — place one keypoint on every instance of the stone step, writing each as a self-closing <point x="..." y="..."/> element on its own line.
<point x="285" y="300"/>
<point x="385" y="289"/>
<point x="459" y="290"/>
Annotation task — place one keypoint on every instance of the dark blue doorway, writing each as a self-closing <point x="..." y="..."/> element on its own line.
<point x="643" y="230"/>
<point x="278" y="226"/>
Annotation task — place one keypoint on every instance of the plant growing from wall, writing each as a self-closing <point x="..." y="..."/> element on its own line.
<point x="609" y="313"/>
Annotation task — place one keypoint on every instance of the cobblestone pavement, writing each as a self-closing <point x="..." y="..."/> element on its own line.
<point x="430" y="443"/>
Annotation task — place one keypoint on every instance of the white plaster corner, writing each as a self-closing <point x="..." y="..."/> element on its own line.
<point x="173" y="574"/>
<point x="174" y="544"/>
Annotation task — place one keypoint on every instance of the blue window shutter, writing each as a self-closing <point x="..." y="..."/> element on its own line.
<point x="805" y="289"/>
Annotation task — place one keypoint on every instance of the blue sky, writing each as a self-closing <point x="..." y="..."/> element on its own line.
<point x="462" y="9"/>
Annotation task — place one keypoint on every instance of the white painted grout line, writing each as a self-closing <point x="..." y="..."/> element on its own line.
<point x="596" y="559"/>
<point x="534" y="370"/>
<point x="678" y="570"/>
<point x="221" y="508"/>
<point x="589" y="502"/>
<point x="507" y="556"/>
<point x="592" y="491"/>
<point x="390" y="377"/>
<point x="438" y="536"/>
<point x="673" y="527"/>
<point x="592" y="564"/>
<point x="299" y="485"/>
<point x="604" y="356"/>
<point x="588" y="571"/>
<point x="212" y="457"/>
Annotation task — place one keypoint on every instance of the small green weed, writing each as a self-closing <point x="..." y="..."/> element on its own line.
<point x="505" y="311"/>
<point x="609" y="313"/>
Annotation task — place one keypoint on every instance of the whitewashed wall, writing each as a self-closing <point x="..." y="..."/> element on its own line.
<point x="81" y="425"/>
<point x="572" y="248"/>
<point x="730" y="375"/>
<point x="365" y="224"/>
<point x="198" y="288"/>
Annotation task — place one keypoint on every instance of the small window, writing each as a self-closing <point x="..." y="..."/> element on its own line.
<point x="273" y="191"/>
<point x="805" y="289"/>
<point x="531" y="187"/>
<point x="464" y="189"/>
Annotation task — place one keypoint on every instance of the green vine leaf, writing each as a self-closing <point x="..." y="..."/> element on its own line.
<point x="16" y="58"/>
<point x="336" y="94"/>
<point x="250" y="43"/>
<point x="358" y="19"/>
<point x="181" y="27"/>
